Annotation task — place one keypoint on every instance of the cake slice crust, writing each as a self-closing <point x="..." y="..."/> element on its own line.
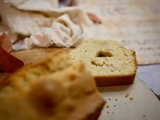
<point x="108" y="61"/>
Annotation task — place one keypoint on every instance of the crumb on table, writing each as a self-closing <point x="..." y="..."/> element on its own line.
<point x="126" y="95"/>
<point x="131" y="98"/>
<point x="107" y="106"/>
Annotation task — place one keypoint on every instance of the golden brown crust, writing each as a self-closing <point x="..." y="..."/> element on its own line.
<point x="108" y="61"/>
<point x="54" y="88"/>
<point x="114" y="80"/>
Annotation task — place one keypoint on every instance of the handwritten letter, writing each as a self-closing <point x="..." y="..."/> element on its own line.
<point x="134" y="23"/>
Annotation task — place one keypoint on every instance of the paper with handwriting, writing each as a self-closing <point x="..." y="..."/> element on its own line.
<point x="134" y="23"/>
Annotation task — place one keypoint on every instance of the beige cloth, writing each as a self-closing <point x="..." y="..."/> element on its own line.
<point x="34" y="5"/>
<point x="62" y="32"/>
<point x="50" y="26"/>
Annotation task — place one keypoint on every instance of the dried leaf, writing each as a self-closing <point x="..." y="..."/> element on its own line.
<point x="94" y="18"/>
<point x="9" y="63"/>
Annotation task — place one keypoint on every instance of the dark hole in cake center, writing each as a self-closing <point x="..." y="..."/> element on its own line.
<point x="103" y="54"/>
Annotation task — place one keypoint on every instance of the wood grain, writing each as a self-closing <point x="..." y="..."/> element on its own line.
<point x="31" y="56"/>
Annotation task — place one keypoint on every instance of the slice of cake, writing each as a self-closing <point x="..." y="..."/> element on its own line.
<point x="108" y="61"/>
<point x="55" y="88"/>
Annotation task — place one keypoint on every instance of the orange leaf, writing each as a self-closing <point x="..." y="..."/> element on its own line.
<point x="5" y="42"/>
<point x="94" y="18"/>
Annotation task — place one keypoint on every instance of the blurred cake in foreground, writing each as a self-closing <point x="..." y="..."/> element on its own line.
<point x="55" y="88"/>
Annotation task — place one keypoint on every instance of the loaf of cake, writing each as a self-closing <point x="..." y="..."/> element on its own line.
<point x="108" y="61"/>
<point x="55" y="88"/>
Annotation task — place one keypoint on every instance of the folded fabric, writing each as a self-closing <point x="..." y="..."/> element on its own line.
<point x="35" y="26"/>
<point x="34" y="5"/>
